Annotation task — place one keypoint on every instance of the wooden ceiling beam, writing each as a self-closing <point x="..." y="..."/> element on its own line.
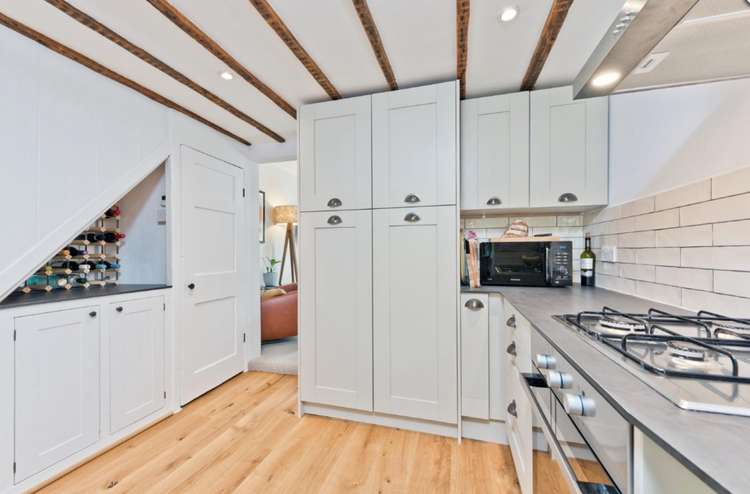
<point x="555" y="19"/>
<point x="277" y="24"/>
<point x="187" y="26"/>
<point x="371" y="29"/>
<point x="82" y="59"/>
<point x="150" y="59"/>
<point x="462" y="42"/>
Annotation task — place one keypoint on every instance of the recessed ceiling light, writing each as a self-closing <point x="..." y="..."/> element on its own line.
<point x="606" y="78"/>
<point x="508" y="14"/>
<point x="227" y="76"/>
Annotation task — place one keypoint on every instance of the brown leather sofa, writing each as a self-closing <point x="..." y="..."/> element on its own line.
<point x="278" y="315"/>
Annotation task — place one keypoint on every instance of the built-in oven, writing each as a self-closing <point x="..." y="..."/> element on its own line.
<point x="526" y="263"/>
<point x="587" y="443"/>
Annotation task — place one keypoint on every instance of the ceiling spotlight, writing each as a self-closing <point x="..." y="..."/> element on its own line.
<point x="508" y="14"/>
<point x="606" y="78"/>
<point x="227" y="76"/>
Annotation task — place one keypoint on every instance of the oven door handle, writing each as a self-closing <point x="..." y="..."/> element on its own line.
<point x="547" y="266"/>
<point x="535" y="380"/>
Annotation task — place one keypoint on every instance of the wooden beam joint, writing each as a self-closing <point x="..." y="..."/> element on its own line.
<point x="555" y="20"/>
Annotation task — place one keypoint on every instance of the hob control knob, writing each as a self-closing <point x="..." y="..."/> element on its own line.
<point x="559" y="380"/>
<point x="579" y="404"/>
<point x="545" y="361"/>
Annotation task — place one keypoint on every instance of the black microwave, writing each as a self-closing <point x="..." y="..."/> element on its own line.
<point x="522" y="263"/>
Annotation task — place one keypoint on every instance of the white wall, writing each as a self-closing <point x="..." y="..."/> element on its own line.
<point x="279" y="182"/>
<point x="665" y="138"/>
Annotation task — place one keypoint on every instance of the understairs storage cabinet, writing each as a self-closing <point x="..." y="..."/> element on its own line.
<point x="379" y="280"/>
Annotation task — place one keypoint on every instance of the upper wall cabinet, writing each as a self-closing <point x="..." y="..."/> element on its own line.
<point x="495" y="152"/>
<point x="414" y="133"/>
<point x="569" y="149"/>
<point x="335" y="155"/>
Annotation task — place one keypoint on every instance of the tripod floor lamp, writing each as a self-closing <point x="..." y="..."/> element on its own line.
<point x="287" y="215"/>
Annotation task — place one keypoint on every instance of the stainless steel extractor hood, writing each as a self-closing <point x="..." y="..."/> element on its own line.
<point x="661" y="43"/>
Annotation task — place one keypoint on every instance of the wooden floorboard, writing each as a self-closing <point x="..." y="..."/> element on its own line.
<point x="244" y="437"/>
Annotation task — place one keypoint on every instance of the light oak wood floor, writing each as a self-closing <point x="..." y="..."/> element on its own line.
<point x="244" y="437"/>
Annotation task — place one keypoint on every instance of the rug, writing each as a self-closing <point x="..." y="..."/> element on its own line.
<point x="277" y="356"/>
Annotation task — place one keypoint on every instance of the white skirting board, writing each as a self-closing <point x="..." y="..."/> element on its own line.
<point x="417" y="425"/>
<point x="489" y="431"/>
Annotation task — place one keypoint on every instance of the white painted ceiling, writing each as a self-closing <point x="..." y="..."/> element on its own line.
<point x="419" y="37"/>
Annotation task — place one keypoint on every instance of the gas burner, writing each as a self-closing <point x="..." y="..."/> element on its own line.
<point x="686" y="350"/>
<point x="731" y="331"/>
<point x="614" y="326"/>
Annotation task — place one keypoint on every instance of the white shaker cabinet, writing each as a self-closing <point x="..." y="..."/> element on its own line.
<point x="414" y="146"/>
<point x="335" y="155"/>
<point x="135" y="344"/>
<point x="475" y="355"/>
<point x="415" y="294"/>
<point x="56" y="387"/>
<point x="495" y="152"/>
<point x="569" y="149"/>
<point x="336" y="308"/>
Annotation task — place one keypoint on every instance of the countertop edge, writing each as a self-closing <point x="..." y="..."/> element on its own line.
<point x="22" y="300"/>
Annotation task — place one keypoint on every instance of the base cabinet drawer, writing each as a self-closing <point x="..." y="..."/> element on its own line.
<point x="135" y="344"/>
<point x="56" y="387"/>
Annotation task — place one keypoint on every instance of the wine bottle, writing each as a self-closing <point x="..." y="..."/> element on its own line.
<point x="107" y="265"/>
<point x="74" y="251"/>
<point x="588" y="264"/>
<point x="72" y="265"/>
<point x="112" y="212"/>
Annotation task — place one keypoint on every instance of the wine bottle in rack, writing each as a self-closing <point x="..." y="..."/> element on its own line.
<point x="71" y="265"/>
<point x="112" y="212"/>
<point x="107" y="265"/>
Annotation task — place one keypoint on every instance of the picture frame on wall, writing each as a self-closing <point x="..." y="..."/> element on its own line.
<point x="262" y="216"/>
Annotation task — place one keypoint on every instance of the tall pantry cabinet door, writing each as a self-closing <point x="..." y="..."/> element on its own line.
<point x="569" y="149"/>
<point x="415" y="312"/>
<point x="336" y="308"/>
<point x="414" y="138"/>
<point x="135" y="331"/>
<point x="495" y="152"/>
<point x="335" y="155"/>
<point x="56" y="387"/>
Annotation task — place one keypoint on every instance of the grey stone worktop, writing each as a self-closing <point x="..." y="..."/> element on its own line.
<point x="713" y="446"/>
<point x="18" y="299"/>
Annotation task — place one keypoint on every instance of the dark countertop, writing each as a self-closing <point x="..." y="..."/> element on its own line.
<point x="713" y="446"/>
<point x="18" y="299"/>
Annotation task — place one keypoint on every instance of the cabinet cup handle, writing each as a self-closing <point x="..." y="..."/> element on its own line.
<point x="474" y="304"/>
<point x="512" y="409"/>
<point x="511" y="349"/>
<point x="191" y="286"/>
<point x="92" y="313"/>
<point x="511" y="322"/>
<point x="494" y="201"/>
<point x="568" y="197"/>
<point x="119" y="308"/>
<point x="412" y="217"/>
<point x="411" y="198"/>
<point x="334" y="220"/>
<point x="334" y="202"/>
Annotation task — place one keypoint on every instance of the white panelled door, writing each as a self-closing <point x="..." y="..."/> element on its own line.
<point x="211" y="338"/>
<point x="335" y="155"/>
<point x="415" y="323"/>
<point x="336" y="308"/>
<point x="56" y="387"/>
<point x="414" y="140"/>
<point x="135" y="342"/>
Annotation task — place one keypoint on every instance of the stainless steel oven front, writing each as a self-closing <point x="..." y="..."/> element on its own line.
<point x="587" y="446"/>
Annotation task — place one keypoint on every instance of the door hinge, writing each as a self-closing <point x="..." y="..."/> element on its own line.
<point x="14" y="335"/>
<point x="14" y="467"/>
<point x="243" y="192"/>
<point x="244" y="337"/>
<point x="165" y="395"/>
<point x="164" y="307"/>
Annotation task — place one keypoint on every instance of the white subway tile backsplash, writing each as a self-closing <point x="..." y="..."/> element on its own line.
<point x="658" y="221"/>
<point x="689" y="194"/>
<point x="732" y="283"/>
<point x="573" y="220"/>
<point x="737" y="182"/>
<point x="536" y="220"/>
<point x="625" y="225"/>
<point x="637" y="239"/>
<point x="699" y="279"/>
<point x="715" y="302"/>
<point x="601" y="215"/>
<point x="733" y="233"/>
<point x="727" y="209"/>
<point x="491" y="222"/>
<point x="626" y="255"/>
<point x="727" y="258"/>
<point x="662" y="256"/>
<point x="638" y="272"/>
<point x="690" y="236"/>
<point x="637" y="207"/>
<point x="608" y="268"/>
<point x="671" y="295"/>
<point x="616" y="283"/>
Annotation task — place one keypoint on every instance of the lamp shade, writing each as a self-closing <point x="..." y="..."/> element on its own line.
<point x="284" y="214"/>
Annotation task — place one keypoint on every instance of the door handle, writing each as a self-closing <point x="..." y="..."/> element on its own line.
<point x="92" y="313"/>
<point x="191" y="286"/>
<point x="119" y="308"/>
<point x="567" y="197"/>
<point x="334" y="202"/>
<point x="474" y="304"/>
<point x="411" y="198"/>
<point x="511" y="322"/>
<point x="334" y="220"/>
<point x="494" y="201"/>
<point x="512" y="409"/>
<point x="512" y="349"/>
<point x="412" y="217"/>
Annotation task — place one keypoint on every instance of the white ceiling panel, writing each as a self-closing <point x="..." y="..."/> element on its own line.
<point x="331" y="33"/>
<point x="419" y="37"/>
<point x="500" y="52"/>
<point x="584" y="27"/>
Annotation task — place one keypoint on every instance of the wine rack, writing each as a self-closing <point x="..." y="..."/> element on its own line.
<point x="91" y="259"/>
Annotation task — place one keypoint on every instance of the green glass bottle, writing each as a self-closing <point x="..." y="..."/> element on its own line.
<point x="588" y="264"/>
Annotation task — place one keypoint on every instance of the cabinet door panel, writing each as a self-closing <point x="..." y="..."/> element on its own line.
<point x="475" y="359"/>
<point x="415" y="317"/>
<point x="497" y="343"/>
<point x="335" y="155"/>
<point x="414" y="146"/>
<point x="336" y="308"/>
<point x="56" y="387"/>
<point x="495" y="152"/>
<point x="569" y="149"/>
<point x="136" y="360"/>
<point x="519" y="428"/>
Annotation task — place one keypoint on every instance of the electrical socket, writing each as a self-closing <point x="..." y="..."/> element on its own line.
<point x="608" y="254"/>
